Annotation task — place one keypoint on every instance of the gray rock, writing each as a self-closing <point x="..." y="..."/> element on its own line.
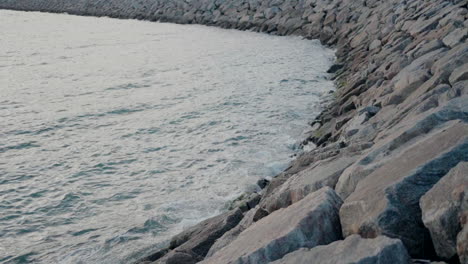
<point x="175" y="257"/>
<point x="462" y="243"/>
<point x="452" y="60"/>
<point x="387" y="200"/>
<point x="413" y="76"/>
<point x="323" y="173"/>
<point x="397" y="141"/>
<point x="354" y="249"/>
<point x="197" y="240"/>
<point x="375" y="44"/>
<point x="232" y="234"/>
<point x="455" y="37"/>
<point x="459" y="74"/>
<point x="315" y="222"/>
<point x="443" y="208"/>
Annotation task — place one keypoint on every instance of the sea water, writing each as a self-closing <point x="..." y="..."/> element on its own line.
<point x="117" y="134"/>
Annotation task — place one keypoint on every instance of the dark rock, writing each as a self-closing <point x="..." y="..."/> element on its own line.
<point x="334" y="68"/>
<point x="197" y="240"/>
<point x="354" y="249"/>
<point x="262" y="183"/>
<point x="443" y="208"/>
<point x="315" y="222"/>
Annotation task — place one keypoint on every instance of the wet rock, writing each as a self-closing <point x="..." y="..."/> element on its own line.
<point x="175" y="257"/>
<point x="353" y="249"/>
<point x="231" y="235"/>
<point x="154" y="256"/>
<point x="245" y="202"/>
<point x="334" y="68"/>
<point x="262" y="183"/>
<point x="197" y="240"/>
<point x="387" y="200"/>
<point x="443" y="208"/>
<point x="315" y="222"/>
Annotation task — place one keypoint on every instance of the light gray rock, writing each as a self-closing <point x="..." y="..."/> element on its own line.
<point x="315" y="222"/>
<point x="323" y="173"/>
<point x="452" y="60"/>
<point x="413" y="76"/>
<point x="459" y="74"/>
<point x="375" y="44"/>
<point x="455" y="37"/>
<point x="386" y="202"/>
<point x="443" y="208"/>
<point x="397" y="141"/>
<point x="354" y="249"/>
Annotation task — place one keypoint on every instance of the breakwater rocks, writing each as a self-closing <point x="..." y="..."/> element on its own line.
<point x="387" y="179"/>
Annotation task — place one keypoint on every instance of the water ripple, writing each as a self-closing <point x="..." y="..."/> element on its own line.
<point x="114" y="140"/>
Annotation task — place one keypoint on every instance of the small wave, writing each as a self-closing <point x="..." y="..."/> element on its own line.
<point x="26" y="145"/>
<point x="128" y="86"/>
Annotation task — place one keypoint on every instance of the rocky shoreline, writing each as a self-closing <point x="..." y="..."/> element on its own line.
<point x="387" y="179"/>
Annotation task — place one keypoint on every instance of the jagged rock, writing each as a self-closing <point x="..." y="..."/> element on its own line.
<point x="315" y="222"/>
<point x="459" y="74"/>
<point x="455" y="37"/>
<point x="354" y="249"/>
<point x="232" y="234"/>
<point x="452" y="60"/>
<point x="245" y="202"/>
<point x="193" y="244"/>
<point x="175" y="257"/>
<point x="462" y="243"/>
<point x="387" y="200"/>
<point x="323" y="173"/>
<point x="334" y="68"/>
<point x="443" y="208"/>
<point x="413" y="76"/>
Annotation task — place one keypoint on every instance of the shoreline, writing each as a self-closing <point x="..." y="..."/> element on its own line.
<point x="401" y="89"/>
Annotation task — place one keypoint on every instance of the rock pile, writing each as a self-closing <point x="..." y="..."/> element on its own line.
<point x="387" y="179"/>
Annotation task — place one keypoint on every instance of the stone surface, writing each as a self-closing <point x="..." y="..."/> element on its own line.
<point x="323" y="173"/>
<point x="232" y="234"/>
<point x="194" y="243"/>
<point x="315" y="222"/>
<point x="406" y="58"/>
<point x="354" y="249"/>
<point x="443" y="208"/>
<point x="386" y="202"/>
<point x="462" y="243"/>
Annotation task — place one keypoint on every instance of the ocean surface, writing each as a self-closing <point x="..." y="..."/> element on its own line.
<point x="117" y="134"/>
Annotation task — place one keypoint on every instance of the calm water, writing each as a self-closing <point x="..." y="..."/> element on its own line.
<point x="116" y="134"/>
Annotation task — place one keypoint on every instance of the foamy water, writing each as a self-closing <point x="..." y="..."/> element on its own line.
<point x="117" y="134"/>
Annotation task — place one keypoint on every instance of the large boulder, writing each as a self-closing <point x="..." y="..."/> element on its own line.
<point x="232" y="234"/>
<point x="392" y="141"/>
<point x="354" y="249"/>
<point x="386" y="202"/>
<point x="193" y="244"/>
<point x="315" y="222"/>
<point x="443" y="209"/>
<point x="323" y="173"/>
